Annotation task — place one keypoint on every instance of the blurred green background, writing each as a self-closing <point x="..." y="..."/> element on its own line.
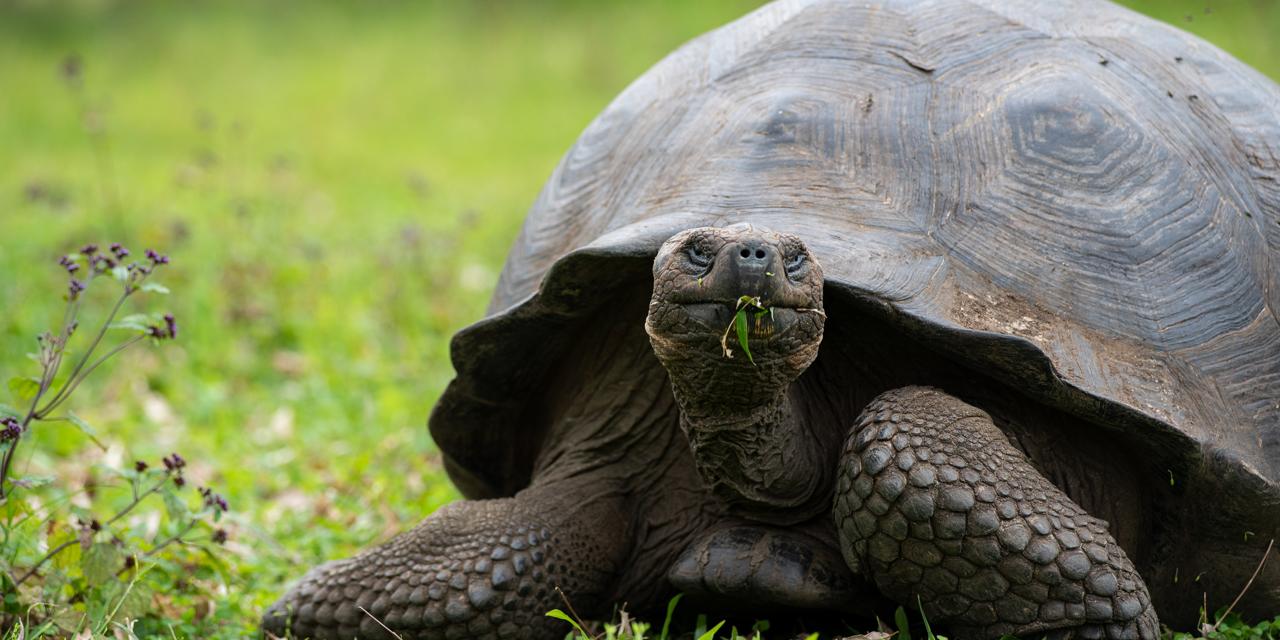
<point x="337" y="184"/>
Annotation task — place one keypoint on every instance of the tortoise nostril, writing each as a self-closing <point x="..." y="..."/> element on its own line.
<point x="754" y="254"/>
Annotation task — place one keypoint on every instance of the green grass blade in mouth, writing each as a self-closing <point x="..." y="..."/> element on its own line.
<point x="740" y="321"/>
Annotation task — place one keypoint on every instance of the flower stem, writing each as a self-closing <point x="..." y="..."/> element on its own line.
<point x="124" y="511"/>
<point x="72" y="384"/>
<point x="62" y="394"/>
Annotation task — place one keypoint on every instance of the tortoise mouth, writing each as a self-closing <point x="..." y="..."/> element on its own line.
<point x="717" y="316"/>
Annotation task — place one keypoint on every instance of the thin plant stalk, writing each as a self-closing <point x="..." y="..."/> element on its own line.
<point x="138" y="498"/>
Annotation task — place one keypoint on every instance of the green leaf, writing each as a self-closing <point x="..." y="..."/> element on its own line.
<point x="218" y="564"/>
<point x="711" y="633"/>
<point x="560" y="615"/>
<point x="31" y="482"/>
<point x="740" y="322"/>
<point x="70" y="556"/>
<point x="86" y="429"/>
<point x="120" y="273"/>
<point x="155" y="287"/>
<point x="671" y="610"/>
<point x="904" y="626"/>
<point x="69" y="620"/>
<point x="54" y="581"/>
<point x="100" y="563"/>
<point x="6" y="410"/>
<point x="133" y="602"/>
<point x="24" y="388"/>
<point x="176" y="506"/>
<point x="927" y="629"/>
<point x="80" y="512"/>
<point x="135" y="322"/>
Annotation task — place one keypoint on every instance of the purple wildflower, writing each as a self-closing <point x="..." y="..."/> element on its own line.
<point x="173" y="462"/>
<point x="213" y="500"/>
<point x="140" y="466"/>
<point x="75" y="288"/>
<point x="102" y="263"/>
<point x="156" y="258"/>
<point x="11" y="430"/>
<point x="168" y="332"/>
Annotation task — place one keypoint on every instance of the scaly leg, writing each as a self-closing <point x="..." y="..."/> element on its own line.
<point x="475" y="569"/>
<point x="934" y="503"/>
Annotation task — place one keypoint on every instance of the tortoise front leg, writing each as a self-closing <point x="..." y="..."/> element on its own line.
<point x="934" y="503"/>
<point x="475" y="569"/>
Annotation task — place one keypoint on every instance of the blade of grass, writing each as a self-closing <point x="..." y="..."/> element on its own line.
<point x="711" y="633"/>
<point x="560" y="615"/>
<point x="740" y="321"/>
<point x="671" y="610"/>
<point x="904" y="625"/>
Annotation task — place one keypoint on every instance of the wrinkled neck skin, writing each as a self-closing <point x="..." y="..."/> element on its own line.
<point x="751" y="443"/>
<point x="739" y="409"/>
<point x="764" y="463"/>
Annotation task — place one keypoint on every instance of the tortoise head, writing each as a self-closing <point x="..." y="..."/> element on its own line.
<point x="736" y="315"/>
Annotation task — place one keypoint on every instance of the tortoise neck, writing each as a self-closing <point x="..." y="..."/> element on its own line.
<point x="761" y="461"/>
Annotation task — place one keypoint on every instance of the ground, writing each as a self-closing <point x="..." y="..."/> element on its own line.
<point x="337" y="186"/>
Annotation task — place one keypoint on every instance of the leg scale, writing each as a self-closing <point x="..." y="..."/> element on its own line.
<point x="935" y="504"/>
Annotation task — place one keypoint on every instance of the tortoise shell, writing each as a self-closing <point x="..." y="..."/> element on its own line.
<point x="1077" y="200"/>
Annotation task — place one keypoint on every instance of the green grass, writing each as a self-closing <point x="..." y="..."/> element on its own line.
<point x="338" y="185"/>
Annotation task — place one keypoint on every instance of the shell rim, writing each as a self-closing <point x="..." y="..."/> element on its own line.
<point x="479" y="407"/>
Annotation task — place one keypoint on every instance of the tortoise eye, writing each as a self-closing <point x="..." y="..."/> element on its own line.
<point x="795" y="262"/>
<point x="697" y="257"/>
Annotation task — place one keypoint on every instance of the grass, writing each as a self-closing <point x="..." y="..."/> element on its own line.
<point x="338" y="185"/>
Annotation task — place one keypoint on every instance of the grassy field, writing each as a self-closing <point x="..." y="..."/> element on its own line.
<point x="337" y="185"/>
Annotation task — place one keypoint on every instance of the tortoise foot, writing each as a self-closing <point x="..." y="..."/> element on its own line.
<point x="758" y="566"/>
<point x="476" y="569"/>
<point x="938" y="508"/>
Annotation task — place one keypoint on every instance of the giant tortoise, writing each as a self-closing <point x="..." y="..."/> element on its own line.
<point x="970" y="305"/>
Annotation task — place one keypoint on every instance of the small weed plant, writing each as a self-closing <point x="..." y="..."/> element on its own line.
<point x="1229" y="626"/>
<point x="90" y="552"/>
<point x="628" y="629"/>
